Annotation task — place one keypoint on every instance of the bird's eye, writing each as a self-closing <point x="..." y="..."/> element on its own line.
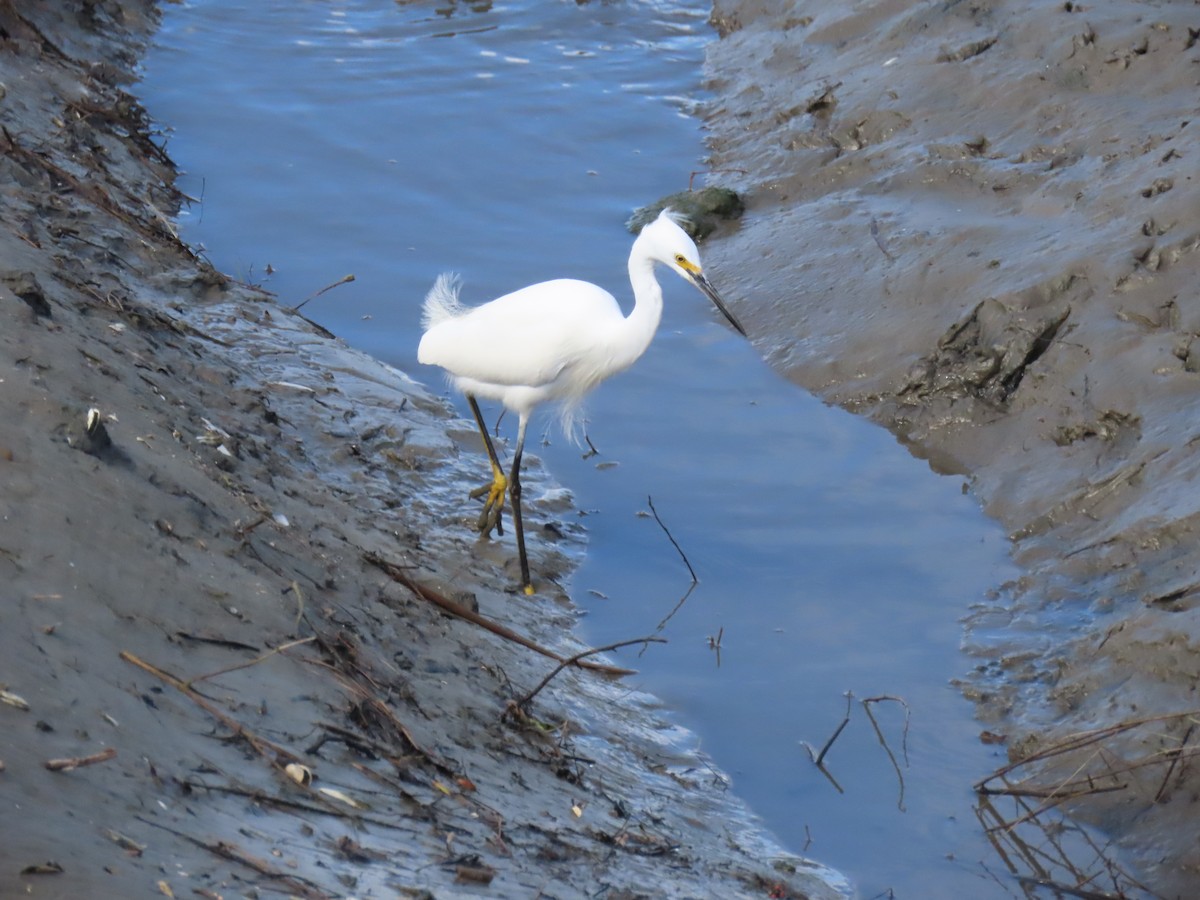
<point x="680" y="258"/>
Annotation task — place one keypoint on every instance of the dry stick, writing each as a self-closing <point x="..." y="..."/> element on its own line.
<point x="1046" y="861"/>
<point x="329" y="287"/>
<point x="1063" y="861"/>
<point x="879" y="240"/>
<point x="820" y="757"/>
<point x="384" y="712"/>
<point x="301" y="887"/>
<point x="907" y="718"/>
<point x="1057" y="797"/>
<point x="1054" y="798"/>
<point x="1031" y="856"/>
<point x="573" y="660"/>
<point x="254" y="662"/>
<point x="1059" y="888"/>
<point x="883" y="741"/>
<point x="1066" y="790"/>
<point x="262" y="745"/>
<point x="1076" y="742"/>
<point x="1114" y="870"/>
<point x="1070" y="789"/>
<point x="1032" y="814"/>
<point x="284" y="803"/>
<point x="91" y="193"/>
<point x="1174" y="759"/>
<point x="985" y="811"/>
<point x="1043" y="863"/>
<point x="299" y="602"/>
<point x="1024" y="853"/>
<point x="715" y="644"/>
<point x="682" y="555"/>
<point x="396" y="573"/>
<point x="75" y="762"/>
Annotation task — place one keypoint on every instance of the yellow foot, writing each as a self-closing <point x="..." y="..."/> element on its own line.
<point x="529" y="591"/>
<point x="493" y="509"/>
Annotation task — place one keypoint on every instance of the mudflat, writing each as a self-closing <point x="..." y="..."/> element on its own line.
<point x="245" y="649"/>
<point x="979" y="225"/>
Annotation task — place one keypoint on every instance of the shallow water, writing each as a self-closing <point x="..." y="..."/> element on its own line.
<point x="510" y="142"/>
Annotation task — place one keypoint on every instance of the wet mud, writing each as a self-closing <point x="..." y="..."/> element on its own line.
<point x="979" y="225"/>
<point x="248" y="641"/>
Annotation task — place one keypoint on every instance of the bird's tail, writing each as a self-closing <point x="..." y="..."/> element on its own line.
<point x="441" y="303"/>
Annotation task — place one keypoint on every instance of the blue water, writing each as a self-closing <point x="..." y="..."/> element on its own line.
<point x="510" y="142"/>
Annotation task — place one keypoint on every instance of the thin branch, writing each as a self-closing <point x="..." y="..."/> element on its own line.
<point x="1077" y="742"/>
<point x="397" y="573"/>
<point x="1175" y="756"/>
<point x="883" y="741"/>
<point x="678" y="606"/>
<point x="268" y="750"/>
<point x="346" y="279"/>
<point x="574" y="660"/>
<point x="265" y="799"/>
<point x="300" y="887"/>
<point x="819" y="758"/>
<point x="674" y="543"/>
<point x="75" y="762"/>
<point x="254" y="662"/>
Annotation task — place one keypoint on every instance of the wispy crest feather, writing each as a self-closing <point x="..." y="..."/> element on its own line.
<point x="678" y="218"/>
<point x="442" y="303"/>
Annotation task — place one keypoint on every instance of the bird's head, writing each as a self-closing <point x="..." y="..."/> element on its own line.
<point x="664" y="241"/>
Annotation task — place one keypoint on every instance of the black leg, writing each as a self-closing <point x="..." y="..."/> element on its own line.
<point x="514" y="491"/>
<point x="493" y="508"/>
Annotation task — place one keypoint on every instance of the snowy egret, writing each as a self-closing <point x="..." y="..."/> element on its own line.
<point x="551" y="342"/>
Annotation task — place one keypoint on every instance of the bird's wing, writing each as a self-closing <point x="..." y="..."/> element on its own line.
<point x="527" y="337"/>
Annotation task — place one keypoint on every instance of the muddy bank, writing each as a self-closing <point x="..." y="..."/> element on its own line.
<point x="220" y="533"/>
<point x="979" y="224"/>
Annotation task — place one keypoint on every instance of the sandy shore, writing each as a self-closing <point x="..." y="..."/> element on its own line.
<point x="979" y="225"/>
<point x="246" y="642"/>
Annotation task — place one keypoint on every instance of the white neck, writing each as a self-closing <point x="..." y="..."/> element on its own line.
<point x="643" y="319"/>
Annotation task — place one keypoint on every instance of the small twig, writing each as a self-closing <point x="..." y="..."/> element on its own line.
<point x="573" y="660"/>
<point x="397" y="573"/>
<point x="265" y="799"/>
<point x="1058" y="887"/>
<point x="299" y="602"/>
<point x="1078" y="742"/>
<point x="370" y="705"/>
<point x="242" y="531"/>
<point x="819" y="758"/>
<point x="879" y="240"/>
<point x="253" y="662"/>
<point x="883" y="741"/>
<point x="301" y="887"/>
<point x="75" y="762"/>
<point x="265" y="748"/>
<point x="714" y="644"/>
<point x="1175" y="756"/>
<point x="682" y="600"/>
<point x="329" y="287"/>
<point x="695" y="581"/>
<point x="674" y="543"/>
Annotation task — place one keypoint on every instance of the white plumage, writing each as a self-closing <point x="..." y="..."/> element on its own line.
<point x="551" y="342"/>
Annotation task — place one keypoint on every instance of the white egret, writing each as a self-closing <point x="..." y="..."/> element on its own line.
<point x="551" y="342"/>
